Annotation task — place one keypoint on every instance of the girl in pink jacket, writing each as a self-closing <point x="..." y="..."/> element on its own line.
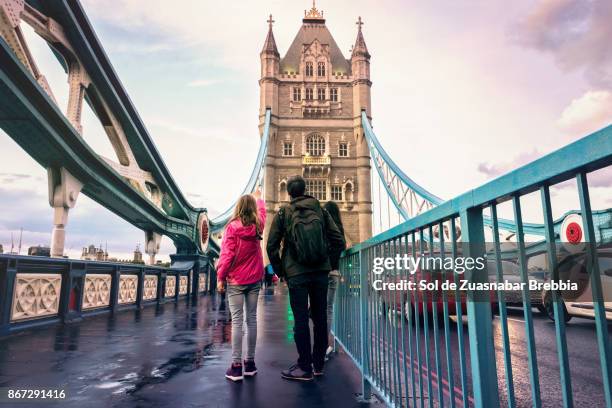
<point x="241" y="266"/>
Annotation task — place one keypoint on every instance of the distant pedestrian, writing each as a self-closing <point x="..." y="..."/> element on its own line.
<point x="241" y="266"/>
<point x="334" y="276"/>
<point x="308" y="237"/>
<point x="268" y="277"/>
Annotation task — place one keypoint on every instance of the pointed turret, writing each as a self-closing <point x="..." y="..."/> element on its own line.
<point x="270" y="58"/>
<point x="360" y="47"/>
<point x="270" y="68"/>
<point x="360" y="57"/>
<point x="270" y="44"/>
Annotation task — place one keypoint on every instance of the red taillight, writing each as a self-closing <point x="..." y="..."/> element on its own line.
<point x="573" y="233"/>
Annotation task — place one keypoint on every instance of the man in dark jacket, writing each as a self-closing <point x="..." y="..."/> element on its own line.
<point x="306" y="281"/>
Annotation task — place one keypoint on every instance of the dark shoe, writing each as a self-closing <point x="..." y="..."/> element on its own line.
<point x="249" y="368"/>
<point x="234" y="373"/>
<point x="297" y="374"/>
<point x="318" y="372"/>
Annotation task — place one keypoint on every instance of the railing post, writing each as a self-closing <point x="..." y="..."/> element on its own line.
<point x="482" y="351"/>
<point x="363" y="324"/>
<point x="114" y="293"/>
<point x="75" y="286"/>
<point x="70" y="297"/>
<point x="140" y="288"/>
<point x="161" y="287"/>
<point x="7" y="276"/>
<point x="192" y="278"/>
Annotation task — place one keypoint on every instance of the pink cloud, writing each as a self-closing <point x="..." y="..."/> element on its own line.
<point x="494" y="170"/>
<point x="577" y="33"/>
<point x="599" y="178"/>
<point x="588" y="113"/>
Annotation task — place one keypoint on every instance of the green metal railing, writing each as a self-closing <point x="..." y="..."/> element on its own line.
<point x="428" y="359"/>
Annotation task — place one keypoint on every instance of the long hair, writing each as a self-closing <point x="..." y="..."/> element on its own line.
<point x="246" y="212"/>
<point x="334" y="211"/>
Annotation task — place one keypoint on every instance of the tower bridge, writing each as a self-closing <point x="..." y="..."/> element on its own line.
<point x="152" y="335"/>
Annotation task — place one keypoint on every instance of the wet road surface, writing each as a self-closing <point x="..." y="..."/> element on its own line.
<point x="172" y="355"/>
<point x="585" y="368"/>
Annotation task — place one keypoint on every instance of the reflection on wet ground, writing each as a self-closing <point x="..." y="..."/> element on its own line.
<point x="170" y="355"/>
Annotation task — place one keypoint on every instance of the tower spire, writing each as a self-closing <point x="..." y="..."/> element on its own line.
<point x="270" y="43"/>
<point x="360" y="47"/>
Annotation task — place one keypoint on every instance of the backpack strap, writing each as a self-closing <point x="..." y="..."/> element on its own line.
<point x="324" y="215"/>
<point x="285" y="213"/>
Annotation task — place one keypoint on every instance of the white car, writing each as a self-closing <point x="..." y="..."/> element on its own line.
<point x="580" y="303"/>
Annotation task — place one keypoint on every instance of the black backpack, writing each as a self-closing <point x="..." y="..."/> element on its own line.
<point x="305" y="228"/>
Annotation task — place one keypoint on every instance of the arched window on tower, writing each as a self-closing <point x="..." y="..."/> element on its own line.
<point x="348" y="191"/>
<point x="282" y="191"/>
<point x="321" y="69"/>
<point x="315" y="145"/>
<point x="309" y="69"/>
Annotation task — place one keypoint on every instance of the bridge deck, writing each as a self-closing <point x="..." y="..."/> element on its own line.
<point x="173" y="355"/>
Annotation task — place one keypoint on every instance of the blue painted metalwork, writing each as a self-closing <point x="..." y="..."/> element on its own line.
<point x="566" y="383"/>
<point x="366" y="390"/>
<point x="531" y="348"/>
<point x="30" y="116"/>
<point x="586" y="155"/>
<point x="424" y="298"/>
<point x="445" y="315"/>
<point x="219" y="222"/>
<point x="482" y="351"/>
<point x="603" y="340"/>
<point x="378" y="152"/>
<point x="375" y="144"/>
<point x="436" y="329"/>
<point x="458" y="310"/>
<point x="416" y="328"/>
<point x="503" y="314"/>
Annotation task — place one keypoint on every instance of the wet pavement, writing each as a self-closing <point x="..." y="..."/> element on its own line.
<point x="169" y="355"/>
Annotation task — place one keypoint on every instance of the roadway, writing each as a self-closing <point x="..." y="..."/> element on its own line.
<point x="584" y="360"/>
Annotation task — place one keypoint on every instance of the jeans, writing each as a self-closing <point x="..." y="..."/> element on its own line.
<point x="239" y="298"/>
<point x="302" y="288"/>
<point x="333" y="281"/>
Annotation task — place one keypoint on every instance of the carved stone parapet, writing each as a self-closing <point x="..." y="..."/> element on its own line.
<point x="150" y="287"/>
<point x="170" y="286"/>
<point x="128" y="289"/>
<point x="97" y="291"/>
<point x="36" y="295"/>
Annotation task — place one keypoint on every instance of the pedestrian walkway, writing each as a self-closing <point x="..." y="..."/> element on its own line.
<point x="173" y="355"/>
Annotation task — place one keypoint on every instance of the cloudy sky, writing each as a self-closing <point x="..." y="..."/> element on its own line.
<point x="463" y="92"/>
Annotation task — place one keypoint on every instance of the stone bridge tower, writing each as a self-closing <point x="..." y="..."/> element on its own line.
<point x="316" y="96"/>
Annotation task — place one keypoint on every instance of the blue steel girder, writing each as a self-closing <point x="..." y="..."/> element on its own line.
<point x="588" y="154"/>
<point x="219" y="222"/>
<point x="409" y="198"/>
<point x="105" y="84"/>
<point x="30" y="115"/>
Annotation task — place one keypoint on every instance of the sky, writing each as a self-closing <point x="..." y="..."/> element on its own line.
<point x="463" y="91"/>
